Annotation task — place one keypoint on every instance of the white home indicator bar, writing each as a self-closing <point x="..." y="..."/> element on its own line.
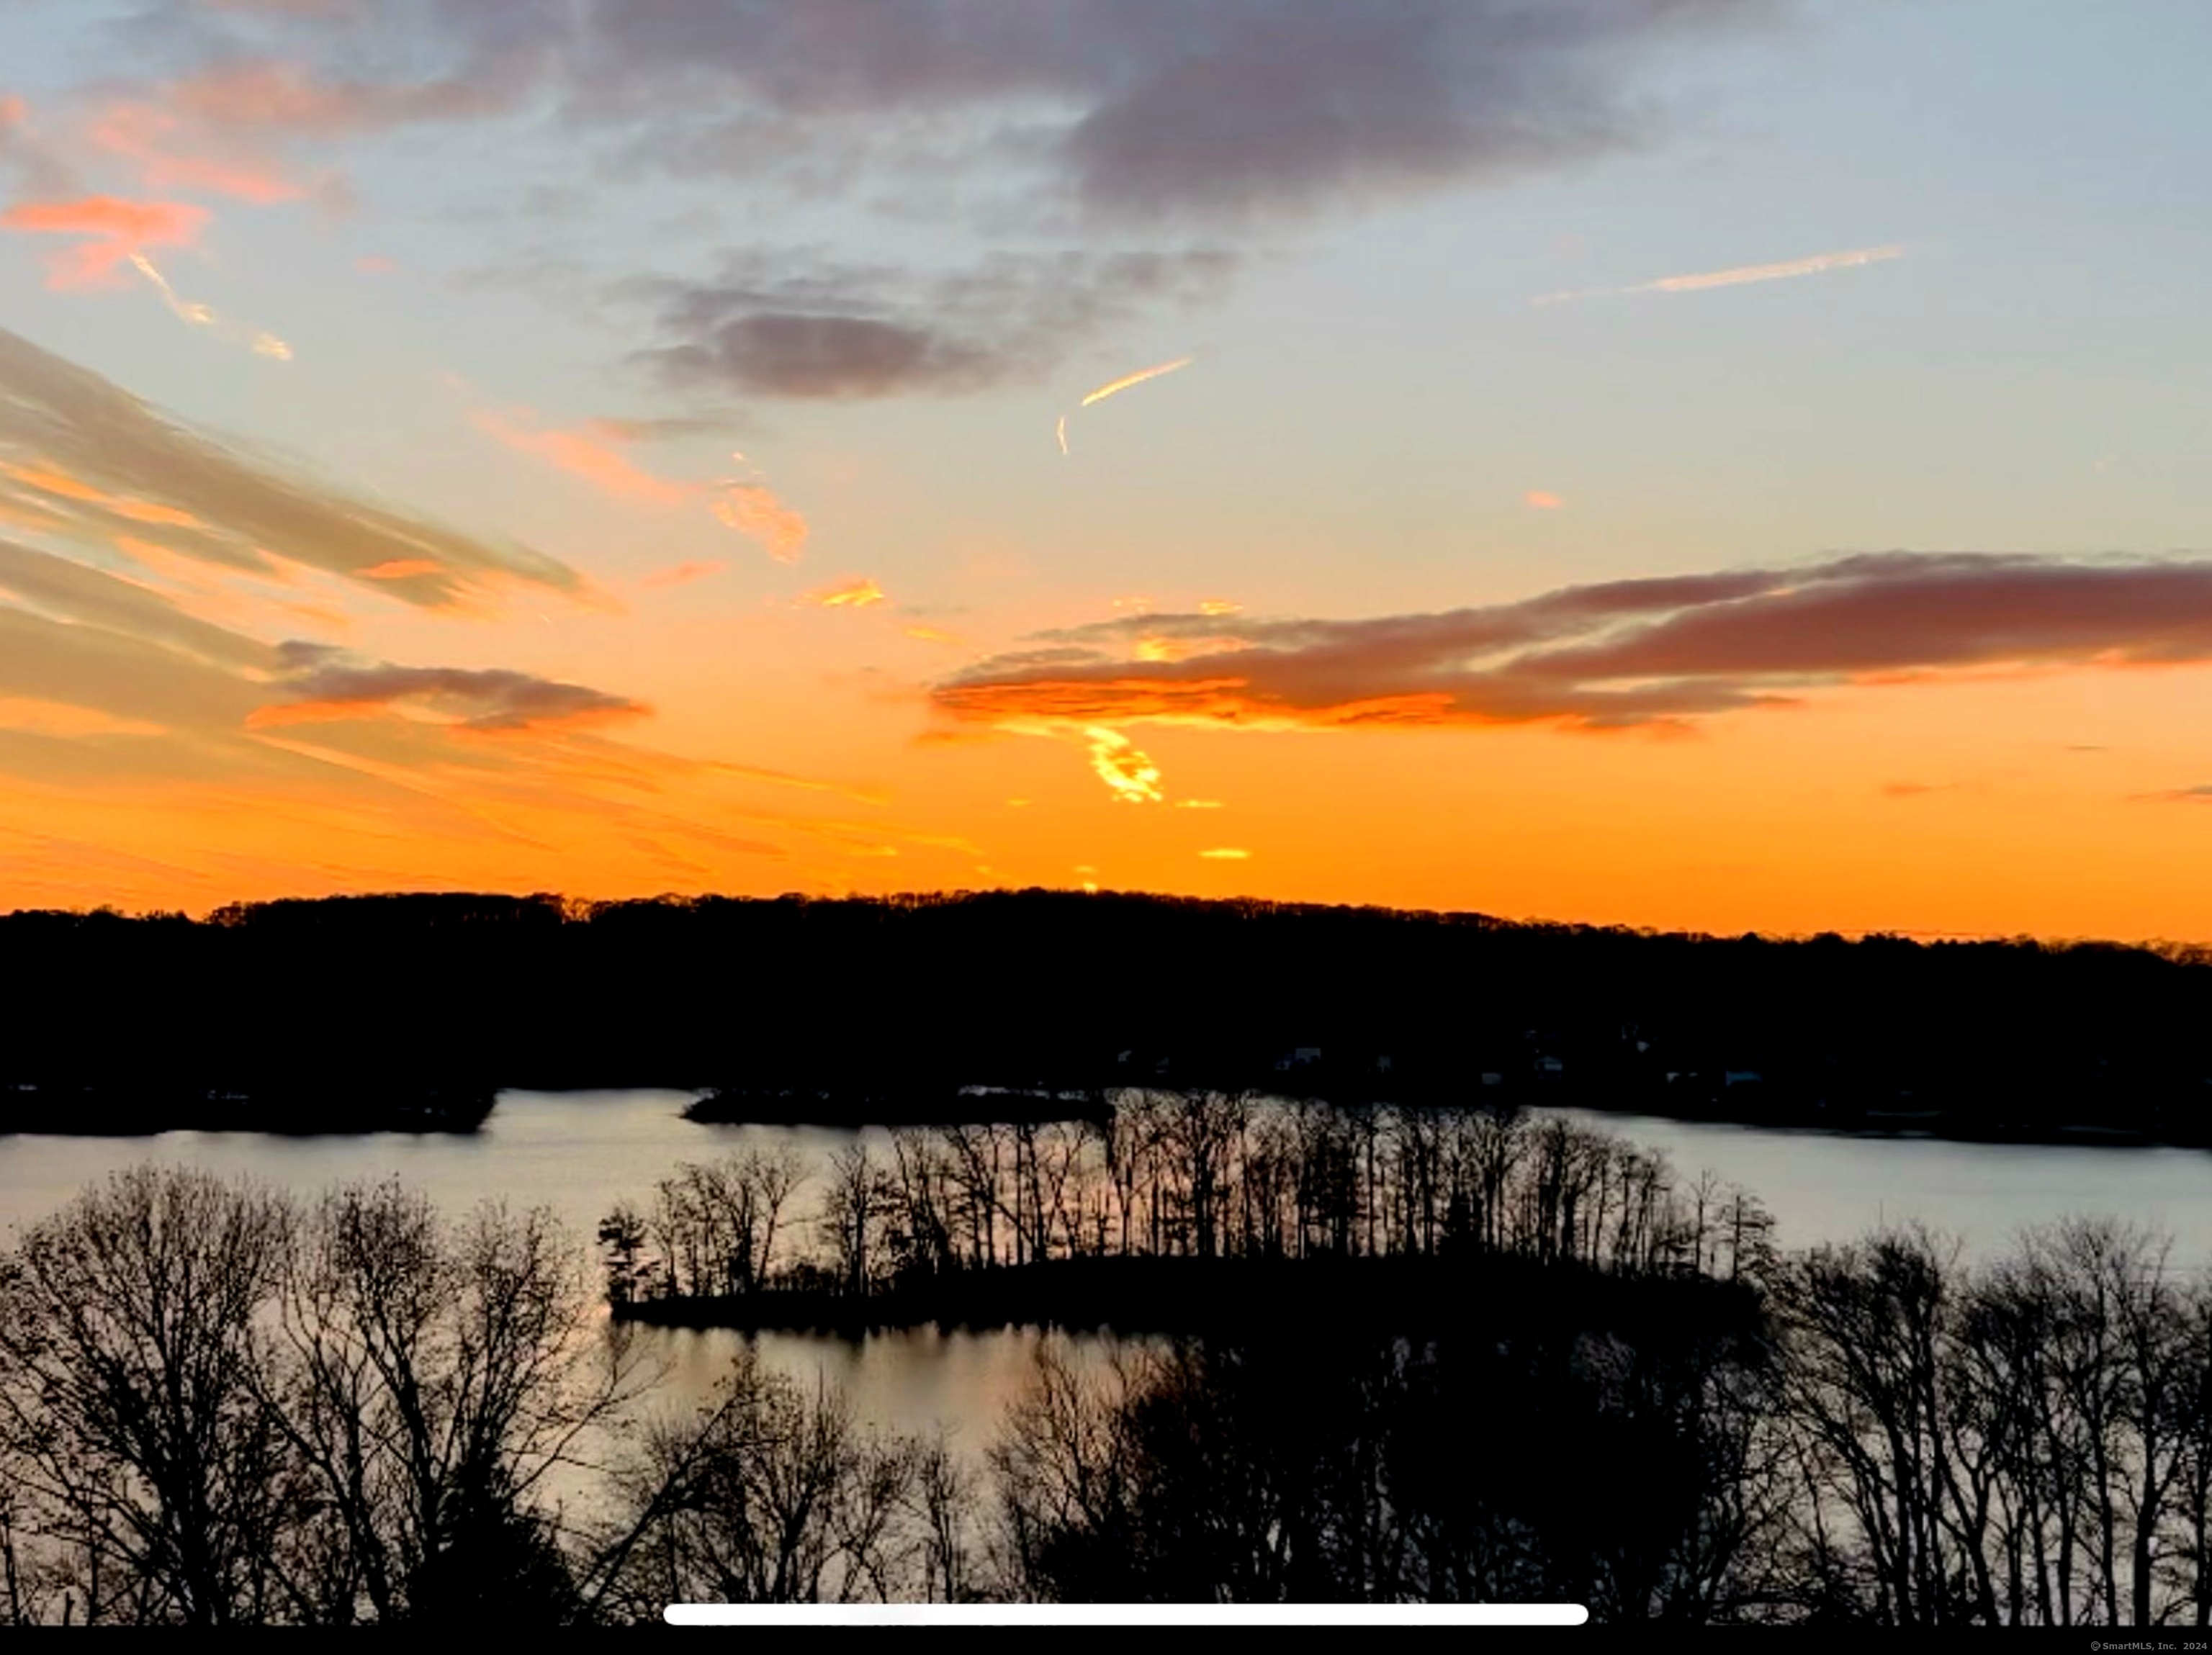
<point x="1127" y="1615"/>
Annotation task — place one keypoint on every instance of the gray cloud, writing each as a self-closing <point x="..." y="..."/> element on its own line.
<point x="110" y="464"/>
<point x="782" y="355"/>
<point x="71" y="591"/>
<point x="1617" y="654"/>
<point x="113" y="672"/>
<point x="798" y="326"/>
<point x="1139" y="109"/>
<point x="492" y="699"/>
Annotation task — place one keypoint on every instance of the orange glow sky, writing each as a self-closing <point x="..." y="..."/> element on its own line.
<point x="1723" y="467"/>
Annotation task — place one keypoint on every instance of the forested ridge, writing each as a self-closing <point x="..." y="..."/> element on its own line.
<point x="883" y="1008"/>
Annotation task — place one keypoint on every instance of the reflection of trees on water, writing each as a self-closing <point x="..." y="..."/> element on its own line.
<point x="221" y="1407"/>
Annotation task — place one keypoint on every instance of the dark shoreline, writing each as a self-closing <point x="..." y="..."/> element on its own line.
<point x="341" y="1111"/>
<point x="90" y="1111"/>
<point x="1874" y="1125"/>
<point x="1168" y="1297"/>
<point x="921" y="1105"/>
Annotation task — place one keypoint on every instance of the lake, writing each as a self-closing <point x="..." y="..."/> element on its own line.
<point x="580" y="1153"/>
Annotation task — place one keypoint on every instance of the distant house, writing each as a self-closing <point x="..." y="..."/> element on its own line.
<point x="1302" y="1057"/>
<point x="1741" y="1077"/>
<point x="1383" y="1064"/>
<point x="1549" y="1069"/>
<point x="1493" y="1080"/>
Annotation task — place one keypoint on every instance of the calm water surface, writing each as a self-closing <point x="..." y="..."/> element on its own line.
<point x="580" y="1153"/>
<point x="1826" y="1186"/>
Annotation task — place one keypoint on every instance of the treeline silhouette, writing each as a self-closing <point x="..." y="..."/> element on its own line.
<point x="1900" y="1442"/>
<point x="884" y="1009"/>
<point x="1174" y="1210"/>
<point x="223" y="1407"/>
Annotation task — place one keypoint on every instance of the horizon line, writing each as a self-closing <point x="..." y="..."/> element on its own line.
<point x="570" y="904"/>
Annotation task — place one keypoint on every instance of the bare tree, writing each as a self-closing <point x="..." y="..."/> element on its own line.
<point x="764" y="1497"/>
<point x="438" y="1377"/>
<point x="941" y="1499"/>
<point x="852" y="1205"/>
<point x="141" y="1448"/>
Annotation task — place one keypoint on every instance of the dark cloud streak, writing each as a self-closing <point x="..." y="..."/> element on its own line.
<point x="497" y="699"/>
<point x="795" y="324"/>
<point x="1618" y="654"/>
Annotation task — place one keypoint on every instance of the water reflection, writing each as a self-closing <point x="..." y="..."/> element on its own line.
<point x="580" y="1153"/>
<point x="916" y="1381"/>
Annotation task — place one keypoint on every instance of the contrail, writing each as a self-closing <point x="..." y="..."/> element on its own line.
<point x="200" y="316"/>
<point x="1136" y="378"/>
<point x="1816" y="265"/>
<point x="196" y="315"/>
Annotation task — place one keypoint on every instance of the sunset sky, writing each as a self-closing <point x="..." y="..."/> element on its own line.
<point x="1719" y="464"/>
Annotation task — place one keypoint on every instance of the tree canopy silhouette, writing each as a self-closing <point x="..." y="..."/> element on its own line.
<point x="314" y="1011"/>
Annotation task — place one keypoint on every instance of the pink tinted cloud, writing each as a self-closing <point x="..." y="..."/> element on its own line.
<point x="680" y="575"/>
<point x="110" y="230"/>
<point x="754" y="509"/>
<point x="291" y="100"/>
<point x="580" y="453"/>
<point x="166" y="158"/>
<point x="230" y="131"/>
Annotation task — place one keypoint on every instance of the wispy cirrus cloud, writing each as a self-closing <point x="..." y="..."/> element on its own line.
<point x="93" y="461"/>
<point x="60" y="587"/>
<point x="593" y="454"/>
<point x="758" y="513"/>
<point x="158" y="745"/>
<point x="1616" y="655"/>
